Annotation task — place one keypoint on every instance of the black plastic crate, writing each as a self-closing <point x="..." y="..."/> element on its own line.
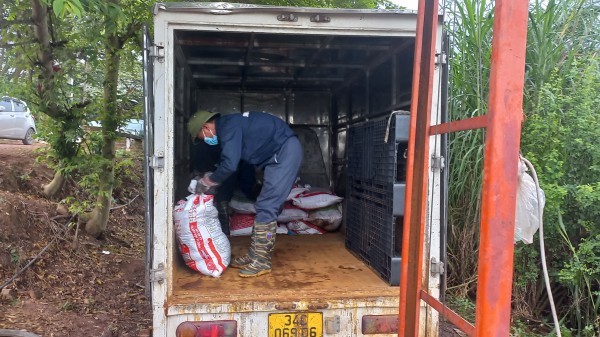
<point x="375" y="184"/>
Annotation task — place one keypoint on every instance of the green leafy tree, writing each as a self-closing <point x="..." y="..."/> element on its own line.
<point x="55" y="95"/>
<point x="122" y="23"/>
<point x="45" y="60"/>
<point x="66" y="58"/>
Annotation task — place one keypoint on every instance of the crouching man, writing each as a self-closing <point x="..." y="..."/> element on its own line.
<point x="268" y="143"/>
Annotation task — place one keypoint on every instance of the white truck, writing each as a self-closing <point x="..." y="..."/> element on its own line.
<point x="342" y="79"/>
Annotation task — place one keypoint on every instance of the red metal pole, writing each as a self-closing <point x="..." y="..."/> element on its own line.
<point x="417" y="172"/>
<point x="460" y="125"/>
<point x="500" y="176"/>
<point x="461" y="323"/>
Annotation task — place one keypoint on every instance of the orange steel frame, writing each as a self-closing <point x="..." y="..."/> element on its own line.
<point x="501" y="153"/>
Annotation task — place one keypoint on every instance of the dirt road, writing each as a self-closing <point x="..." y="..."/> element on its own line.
<point x="77" y="287"/>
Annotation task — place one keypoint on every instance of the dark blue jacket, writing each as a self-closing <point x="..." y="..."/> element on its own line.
<point x="252" y="136"/>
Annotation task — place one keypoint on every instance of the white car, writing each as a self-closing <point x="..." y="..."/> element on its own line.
<point x="16" y="121"/>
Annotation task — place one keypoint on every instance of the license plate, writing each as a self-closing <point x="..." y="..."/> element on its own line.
<point x="300" y="324"/>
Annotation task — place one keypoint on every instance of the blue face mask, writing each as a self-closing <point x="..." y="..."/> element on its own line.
<point x="210" y="140"/>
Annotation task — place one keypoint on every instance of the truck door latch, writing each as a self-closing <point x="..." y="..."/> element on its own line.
<point x="320" y="18"/>
<point x="290" y="17"/>
<point x="441" y="58"/>
<point x="438" y="163"/>
<point x="157" y="51"/>
<point x="157" y="161"/>
<point x="436" y="267"/>
<point x="158" y="274"/>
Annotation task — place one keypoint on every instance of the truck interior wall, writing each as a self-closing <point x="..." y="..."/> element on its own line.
<point x="298" y="109"/>
<point x="382" y="85"/>
<point x="386" y="88"/>
<point x="184" y="103"/>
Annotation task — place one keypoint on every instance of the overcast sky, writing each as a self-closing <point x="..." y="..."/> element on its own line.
<point x="410" y="4"/>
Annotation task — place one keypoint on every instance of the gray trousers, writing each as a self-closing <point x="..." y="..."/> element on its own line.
<point x="280" y="174"/>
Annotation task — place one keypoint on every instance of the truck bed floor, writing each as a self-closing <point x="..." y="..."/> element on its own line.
<point x="304" y="267"/>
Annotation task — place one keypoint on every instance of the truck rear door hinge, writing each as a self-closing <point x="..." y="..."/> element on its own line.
<point x="436" y="267"/>
<point x="290" y="17"/>
<point x="157" y="161"/>
<point x="441" y="58"/>
<point x="157" y="51"/>
<point x="438" y="163"/>
<point x="158" y="274"/>
<point x="320" y="18"/>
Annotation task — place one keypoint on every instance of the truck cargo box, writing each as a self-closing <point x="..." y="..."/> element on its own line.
<point x="342" y="79"/>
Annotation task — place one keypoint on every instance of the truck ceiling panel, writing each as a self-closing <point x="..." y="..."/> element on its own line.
<point x="234" y="41"/>
<point x="287" y="61"/>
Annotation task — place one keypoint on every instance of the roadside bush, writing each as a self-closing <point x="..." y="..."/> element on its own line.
<point x="561" y="138"/>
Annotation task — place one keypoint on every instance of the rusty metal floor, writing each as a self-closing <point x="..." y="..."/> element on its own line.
<point x="304" y="267"/>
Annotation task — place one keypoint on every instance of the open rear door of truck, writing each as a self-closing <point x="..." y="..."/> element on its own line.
<point x="148" y="150"/>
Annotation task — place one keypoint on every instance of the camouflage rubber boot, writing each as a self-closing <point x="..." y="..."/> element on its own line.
<point x="264" y="234"/>
<point x="242" y="261"/>
<point x="223" y="208"/>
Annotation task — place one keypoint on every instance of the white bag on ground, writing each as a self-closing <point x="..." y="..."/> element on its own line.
<point x="241" y="225"/>
<point x="328" y="218"/>
<point x="304" y="227"/>
<point x="291" y="213"/>
<point x="527" y="219"/>
<point x="200" y="239"/>
<point x="295" y="192"/>
<point x="282" y="228"/>
<point x="315" y="200"/>
<point x="242" y="206"/>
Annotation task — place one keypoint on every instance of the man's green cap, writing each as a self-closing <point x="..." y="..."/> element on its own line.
<point x="197" y="121"/>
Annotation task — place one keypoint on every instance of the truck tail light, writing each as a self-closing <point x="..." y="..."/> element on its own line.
<point x="379" y="324"/>
<point x="207" y="329"/>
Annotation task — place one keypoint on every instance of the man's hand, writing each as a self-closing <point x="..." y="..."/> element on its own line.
<point x="202" y="185"/>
